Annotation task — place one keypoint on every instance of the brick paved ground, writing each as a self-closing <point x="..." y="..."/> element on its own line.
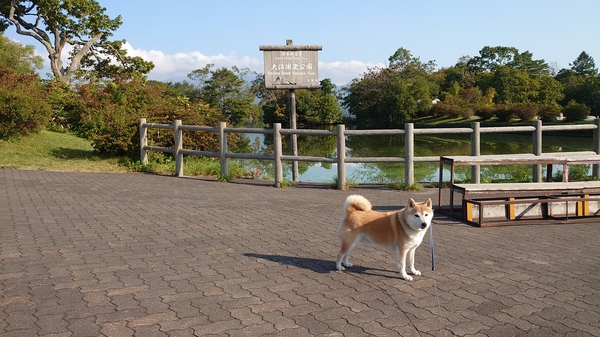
<point x="95" y="254"/>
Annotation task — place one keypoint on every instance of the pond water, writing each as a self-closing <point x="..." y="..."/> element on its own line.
<point x="393" y="146"/>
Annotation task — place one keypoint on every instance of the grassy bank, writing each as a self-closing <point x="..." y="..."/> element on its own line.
<point x="56" y="151"/>
<point x="59" y="151"/>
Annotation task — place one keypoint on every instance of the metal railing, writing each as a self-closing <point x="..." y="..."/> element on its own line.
<point x="340" y="133"/>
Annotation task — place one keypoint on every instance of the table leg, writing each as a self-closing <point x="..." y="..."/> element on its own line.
<point x="441" y="184"/>
<point x="451" y="188"/>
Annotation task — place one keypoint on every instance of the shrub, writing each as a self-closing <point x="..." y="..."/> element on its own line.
<point x="576" y="173"/>
<point x="109" y="116"/>
<point x="438" y="110"/>
<point x="23" y="109"/>
<point x="485" y="112"/>
<point x="523" y="111"/>
<point x="548" y="113"/>
<point x="63" y="101"/>
<point x="503" y="113"/>
<point x="445" y="109"/>
<point x="467" y="113"/>
<point x="574" y="111"/>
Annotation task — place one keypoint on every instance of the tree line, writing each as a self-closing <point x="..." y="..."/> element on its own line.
<point x="101" y="92"/>
<point x="500" y="83"/>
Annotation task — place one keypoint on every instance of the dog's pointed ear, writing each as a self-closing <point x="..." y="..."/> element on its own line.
<point x="428" y="203"/>
<point x="412" y="203"/>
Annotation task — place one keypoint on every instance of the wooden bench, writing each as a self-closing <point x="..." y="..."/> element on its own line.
<point x="537" y="202"/>
<point x="511" y="194"/>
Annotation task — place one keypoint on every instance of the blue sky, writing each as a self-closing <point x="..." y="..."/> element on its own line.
<point x="183" y="35"/>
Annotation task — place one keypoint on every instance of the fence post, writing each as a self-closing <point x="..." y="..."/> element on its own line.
<point x="223" y="149"/>
<point x="143" y="142"/>
<point x="596" y="167"/>
<point x="341" y="156"/>
<point x="277" y="151"/>
<point x="178" y="146"/>
<point x="537" y="150"/>
<point x="476" y="151"/>
<point x="293" y="136"/>
<point x="409" y="154"/>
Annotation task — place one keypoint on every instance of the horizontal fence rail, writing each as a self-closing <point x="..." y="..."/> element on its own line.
<point x="340" y="133"/>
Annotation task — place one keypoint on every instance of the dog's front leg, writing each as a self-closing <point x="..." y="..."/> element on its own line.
<point x="401" y="258"/>
<point x="411" y="261"/>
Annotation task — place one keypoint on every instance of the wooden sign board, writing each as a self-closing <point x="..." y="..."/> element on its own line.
<point x="291" y="66"/>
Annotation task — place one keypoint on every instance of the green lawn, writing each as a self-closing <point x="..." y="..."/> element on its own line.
<point x="56" y="151"/>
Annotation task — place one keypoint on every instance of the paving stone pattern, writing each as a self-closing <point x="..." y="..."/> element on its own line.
<point x="108" y="254"/>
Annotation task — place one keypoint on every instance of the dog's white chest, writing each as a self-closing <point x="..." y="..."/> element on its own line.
<point x="415" y="241"/>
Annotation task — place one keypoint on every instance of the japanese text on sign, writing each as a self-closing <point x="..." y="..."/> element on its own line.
<point x="291" y="68"/>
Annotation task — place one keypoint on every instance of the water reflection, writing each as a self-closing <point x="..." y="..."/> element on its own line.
<point x="393" y="146"/>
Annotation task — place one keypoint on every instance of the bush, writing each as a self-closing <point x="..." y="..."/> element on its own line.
<point x="23" y="109"/>
<point x="467" y="113"/>
<point x="485" y="112"/>
<point x="438" y="110"/>
<point x="548" y="113"/>
<point x="523" y="111"/>
<point x="575" y="111"/>
<point x="109" y="116"/>
<point x="64" y="101"/>
<point x="503" y="113"/>
<point x="444" y="109"/>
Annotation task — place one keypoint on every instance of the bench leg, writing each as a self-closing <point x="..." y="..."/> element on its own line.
<point x="583" y="207"/>
<point x="441" y="183"/>
<point x="511" y="209"/>
<point x="480" y="215"/>
<point x="468" y="210"/>
<point x="451" y="200"/>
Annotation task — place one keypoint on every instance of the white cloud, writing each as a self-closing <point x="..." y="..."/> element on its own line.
<point x="175" y="67"/>
<point x="342" y="72"/>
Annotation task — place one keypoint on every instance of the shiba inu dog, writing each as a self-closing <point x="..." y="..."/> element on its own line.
<point x="401" y="230"/>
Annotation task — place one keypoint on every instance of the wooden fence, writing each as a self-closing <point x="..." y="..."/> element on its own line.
<point x="340" y="133"/>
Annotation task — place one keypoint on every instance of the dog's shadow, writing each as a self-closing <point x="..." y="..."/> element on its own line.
<point x="322" y="266"/>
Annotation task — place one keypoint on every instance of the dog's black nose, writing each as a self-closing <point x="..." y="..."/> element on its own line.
<point x="424" y="225"/>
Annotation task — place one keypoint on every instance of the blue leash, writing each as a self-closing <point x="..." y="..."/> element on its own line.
<point x="433" y="269"/>
<point x="431" y="245"/>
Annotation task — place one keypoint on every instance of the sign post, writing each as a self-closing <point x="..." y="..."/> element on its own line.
<point x="291" y="67"/>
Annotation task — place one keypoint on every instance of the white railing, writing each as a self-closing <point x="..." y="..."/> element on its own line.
<point x="340" y="133"/>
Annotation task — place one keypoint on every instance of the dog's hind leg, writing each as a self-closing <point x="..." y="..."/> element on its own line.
<point x="349" y="242"/>
<point x="401" y="259"/>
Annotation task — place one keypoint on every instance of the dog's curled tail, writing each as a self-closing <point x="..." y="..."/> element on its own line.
<point x="356" y="202"/>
